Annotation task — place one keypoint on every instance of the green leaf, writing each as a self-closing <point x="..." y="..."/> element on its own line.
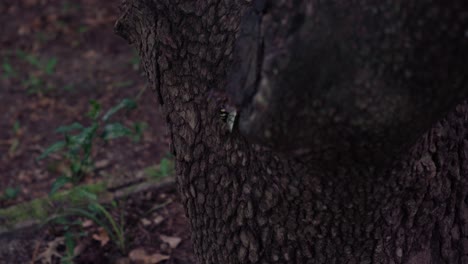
<point x="75" y="167"/>
<point x="95" y="109"/>
<point x="61" y="220"/>
<point x="30" y="58"/>
<point x="11" y="193"/>
<point x="126" y="103"/>
<point x="165" y="167"/>
<point x="87" y="195"/>
<point x="53" y="148"/>
<point x="50" y="66"/>
<point x="32" y="82"/>
<point x="69" y="128"/>
<point x="88" y="215"/>
<point x="7" y="68"/>
<point x="85" y="137"/>
<point x="118" y="229"/>
<point x="70" y="244"/>
<point x="135" y="60"/>
<point x="59" y="183"/>
<point x="115" y="130"/>
<point x="139" y="127"/>
<point x="152" y="172"/>
<point x="83" y="29"/>
<point x="94" y="209"/>
<point x="14" y="146"/>
<point x="16" y="127"/>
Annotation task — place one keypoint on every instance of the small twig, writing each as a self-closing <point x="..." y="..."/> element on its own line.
<point x="159" y="206"/>
<point x="35" y="252"/>
<point x="171" y="220"/>
<point x="141" y="92"/>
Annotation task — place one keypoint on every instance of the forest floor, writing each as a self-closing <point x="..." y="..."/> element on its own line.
<point x="55" y="58"/>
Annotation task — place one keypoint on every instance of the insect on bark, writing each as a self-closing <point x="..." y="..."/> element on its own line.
<point x="228" y="117"/>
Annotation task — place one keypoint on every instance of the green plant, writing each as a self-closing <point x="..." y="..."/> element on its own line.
<point x="15" y="141"/>
<point x="34" y="82"/>
<point x="99" y="214"/>
<point x="16" y="127"/>
<point x="164" y="169"/>
<point x="78" y="141"/>
<point x="83" y="29"/>
<point x="72" y="232"/>
<point x="8" y="70"/>
<point x="10" y="193"/>
<point x="29" y="58"/>
<point x="69" y="248"/>
<point x="47" y="66"/>
<point x="135" y="61"/>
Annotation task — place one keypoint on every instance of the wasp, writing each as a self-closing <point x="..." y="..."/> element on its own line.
<point x="228" y="117"/>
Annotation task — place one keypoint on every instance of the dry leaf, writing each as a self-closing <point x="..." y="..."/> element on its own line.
<point x="140" y="174"/>
<point x="90" y="54"/>
<point x="145" y="222"/>
<point x="140" y="256"/>
<point x="51" y="251"/>
<point x="24" y="30"/>
<point x="99" y="165"/>
<point x="34" y="139"/>
<point x="24" y="177"/>
<point x="87" y="223"/>
<point x="158" y="219"/>
<point x="172" y="241"/>
<point x="82" y="245"/>
<point x="123" y="261"/>
<point x="102" y="237"/>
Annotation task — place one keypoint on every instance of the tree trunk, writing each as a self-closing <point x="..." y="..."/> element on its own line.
<point x="257" y="203"/>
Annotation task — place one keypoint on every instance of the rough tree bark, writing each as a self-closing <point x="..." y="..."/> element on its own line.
<point x="350" y="146"/>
